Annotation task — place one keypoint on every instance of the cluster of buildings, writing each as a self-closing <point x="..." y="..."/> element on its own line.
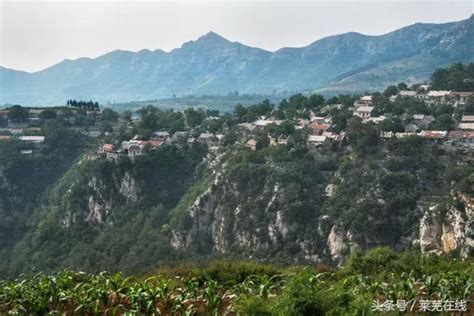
<point x="418" y="124"/>
<point x="33" y="116"/>
<point x="431" y="97"/>
<point x="363" y="107"/>
<point x="455" y="138"/>
<point x="28" y="144"/>
<point x="317" y="128"/>
<point x="137" y="147"/>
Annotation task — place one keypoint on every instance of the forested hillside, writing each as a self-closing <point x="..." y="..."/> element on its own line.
<point x="25" y="182"/>
<point x="308" y="181"/>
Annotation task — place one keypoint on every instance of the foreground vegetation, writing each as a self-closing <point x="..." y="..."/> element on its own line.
<point x="247" y="288"/>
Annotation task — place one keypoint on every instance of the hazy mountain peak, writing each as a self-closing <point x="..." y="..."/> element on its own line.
<point x="212" y="37"/>
<point x="211" y="64"/>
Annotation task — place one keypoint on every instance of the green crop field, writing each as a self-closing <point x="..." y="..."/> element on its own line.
<point x="247" y="288"/>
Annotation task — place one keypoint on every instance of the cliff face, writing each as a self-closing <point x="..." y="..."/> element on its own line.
<point x="449" y="229"/>
<point x="245" y="212"/>
<point x="257" y="211"/>
<point x="101" y="199"/>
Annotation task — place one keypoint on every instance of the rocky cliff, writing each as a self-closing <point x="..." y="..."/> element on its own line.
<point x="252" y="212"/>
<point x="448" y="228"/>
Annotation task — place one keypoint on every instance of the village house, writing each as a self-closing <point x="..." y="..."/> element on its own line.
<point x="108" y="152"/>
<point x="462" y="138"/>
<point x="387" y="135"/>
<point x="460" y="98"/>
<point x="467" y="122"/>
<point x="207" y="138"/>
<point x="31" y="144"/>
<point x="437" y="97"/>
<point x="32" y="139"/>
<point x="273" y="139"/>
<point x="363" y="111"/>
<point x="220" y="138"/>
<point x="317" y="140"/>
<point x="154" y="143"/>
<point x="424" y="87"/>
<point x="246" y="126"/>
<point x="191" y="140"/>
<point x="285" y="140"/>
<point x="179" y="137"/>
<point x="251" y="144"/>
<point x="335" y="137"/>
<point x="4" y="114"/>
<point x="302" y="123"/>
<point x="407" y="93"/>
<point x="365" y="100"/>
<point x="132" y="148"/>
<point x="162" y="135"/>
<point x="435" y="137"/>
<point x="376" y="120"/>
<point x="405" y="134"/>
<point x="319" y="119"/>
<point x="418" y="122"/>
<point x="16" y="131"/>
<point x="319" y="128"/>
<point x="264" y="122"/>
<point x="105" y="148"/>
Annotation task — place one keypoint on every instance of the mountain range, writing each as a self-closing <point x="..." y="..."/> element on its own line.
<point x="345" y="63"/>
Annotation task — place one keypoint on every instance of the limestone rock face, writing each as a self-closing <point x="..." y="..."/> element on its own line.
<point x="128" y="187"/>
<point x="222" y="227"/>
<point x="448" y="230"/>
<point x="338" y="243"/>
<point x="100" y="199"/>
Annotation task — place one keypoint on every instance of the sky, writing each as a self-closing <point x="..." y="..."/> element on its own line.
<point x="35" y="34"/>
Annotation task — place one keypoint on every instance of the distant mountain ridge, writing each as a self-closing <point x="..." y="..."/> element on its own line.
<point x="349" y="62"/>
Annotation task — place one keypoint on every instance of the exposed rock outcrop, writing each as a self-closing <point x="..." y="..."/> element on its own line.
<point x="446" y="229"/>
<point x="221" y="222"/>
<point x="101" y="199"/>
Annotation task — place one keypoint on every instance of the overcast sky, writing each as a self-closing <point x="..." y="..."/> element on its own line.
<point x="38" y="34"/>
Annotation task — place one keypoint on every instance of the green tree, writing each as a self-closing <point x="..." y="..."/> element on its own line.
<point x="443" y="123"/>
<point x="314" y="102"/>
<point x="109" y="115"/>
<point x="392" y="125"/>
<point x="194" y="117"/>
<point x="402" y="86"/>
<point x="48" y="114"/>
<point x="391" y="90"/>
<point x="17" y="114"/>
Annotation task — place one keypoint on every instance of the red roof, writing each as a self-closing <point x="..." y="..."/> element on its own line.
<point x="155" y="142"/>
<point x="433" y="134"/>
<point x="461" y="134"/>
<point x="108" y="147"/>
<point x="317" y="126"/>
